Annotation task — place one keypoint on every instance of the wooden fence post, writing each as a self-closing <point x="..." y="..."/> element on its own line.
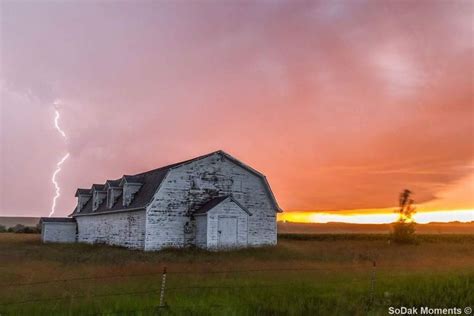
<point x="163" y="287"/>
<point x="372" y="283"/>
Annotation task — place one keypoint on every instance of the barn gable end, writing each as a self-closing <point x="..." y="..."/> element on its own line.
<point x="171" y="220"/>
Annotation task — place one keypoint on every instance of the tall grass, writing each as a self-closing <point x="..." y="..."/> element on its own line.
<point x="311" y="276"/>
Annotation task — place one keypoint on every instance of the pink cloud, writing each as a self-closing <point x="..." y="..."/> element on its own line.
<point x="341" y="106"/>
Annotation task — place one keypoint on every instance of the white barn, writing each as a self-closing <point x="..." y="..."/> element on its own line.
<point x="213" y="202"/>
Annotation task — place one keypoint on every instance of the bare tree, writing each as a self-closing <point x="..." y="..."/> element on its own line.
<point x="404" y="227"/>
<point x="407" y="210"/>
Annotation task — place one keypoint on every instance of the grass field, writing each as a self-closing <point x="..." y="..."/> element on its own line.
<point x="346" y="228"/>
<point x="303" y="275"/>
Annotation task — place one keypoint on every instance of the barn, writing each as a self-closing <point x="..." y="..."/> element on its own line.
<point x="213" y="201"/>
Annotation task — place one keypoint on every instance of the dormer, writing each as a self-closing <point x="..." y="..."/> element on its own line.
<point x="98" y="195"/>
<point x="131" y="185"/>
<point x="114" y="191"/>
<point x="83" y="195"/>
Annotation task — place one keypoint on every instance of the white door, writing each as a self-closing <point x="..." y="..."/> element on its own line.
<point x="227" y="231"/>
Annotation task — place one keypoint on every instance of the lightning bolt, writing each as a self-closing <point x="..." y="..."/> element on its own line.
<point x="56" y="124"/>
<point x="56" y="185"/>
<point x="60" y="162"/>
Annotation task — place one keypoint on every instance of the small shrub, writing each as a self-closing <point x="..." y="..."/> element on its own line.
<point x="3" y="229"/>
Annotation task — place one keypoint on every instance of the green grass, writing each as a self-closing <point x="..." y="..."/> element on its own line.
<point x="323" y="275"/>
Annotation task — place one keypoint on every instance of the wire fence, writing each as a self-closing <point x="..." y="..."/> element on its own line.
<point x="156" y="273"/>
<point x="163" y="288"/>
<point x="369" y="278"/>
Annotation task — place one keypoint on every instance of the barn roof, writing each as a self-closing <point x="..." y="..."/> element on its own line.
<point x="150" y="181"/>
<point x="98" y="187"/>
<point x="113" y="183"/>
<point x="57" y="220"/>
<point x="216" y="201"/>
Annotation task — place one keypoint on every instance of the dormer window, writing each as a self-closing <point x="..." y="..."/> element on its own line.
<point x="113" y="195"/>
<point x="83" y="196"/>
<point x="131" y="185"/>
<point x="98" y="196"/>
<point x="129" y="191"/>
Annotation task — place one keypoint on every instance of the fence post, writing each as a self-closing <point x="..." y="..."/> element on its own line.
<point x="163" y="287"/>
<point x="372" y="283"/>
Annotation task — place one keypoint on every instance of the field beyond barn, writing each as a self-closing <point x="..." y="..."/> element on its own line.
<point x="304" y="275"/>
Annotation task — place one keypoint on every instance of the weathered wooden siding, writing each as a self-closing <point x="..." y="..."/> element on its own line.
<point x="125" y="229"/>
<point x="201" y="231"/>
<point x="58" y="232"/>
<point x="227" y="208"/>
<point x="187" y="187"/>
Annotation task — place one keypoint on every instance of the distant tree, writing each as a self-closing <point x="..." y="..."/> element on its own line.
<point x="22" y="229"/>
<point x="403" y="230"/>
<point x="3" y="229"/>
<point x="18" y="228"/>
<point x="31" y="230"/>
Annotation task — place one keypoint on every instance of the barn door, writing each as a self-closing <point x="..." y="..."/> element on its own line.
<point x="227" y="231"/>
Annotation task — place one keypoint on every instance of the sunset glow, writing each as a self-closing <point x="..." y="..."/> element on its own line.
<point x="361" y="217"/>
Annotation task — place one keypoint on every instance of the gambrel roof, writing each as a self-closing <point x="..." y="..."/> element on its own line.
<point x="150" y="182"/>
<point x="216" y="201"/>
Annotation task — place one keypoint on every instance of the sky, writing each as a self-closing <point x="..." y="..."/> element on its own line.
<point x="341" y="104"/>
